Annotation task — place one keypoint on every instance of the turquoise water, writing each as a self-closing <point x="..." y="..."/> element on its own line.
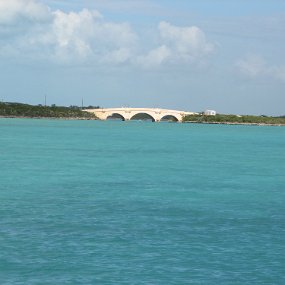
<point x="88" y="202"/>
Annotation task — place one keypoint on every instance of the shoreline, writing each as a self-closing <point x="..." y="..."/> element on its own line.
<point x="185" y="122"/>
<point x="49" y="118"/>
<point x="235" y="123"/>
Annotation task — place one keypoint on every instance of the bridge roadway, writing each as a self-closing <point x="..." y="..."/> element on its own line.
<point x="126" y="114"/>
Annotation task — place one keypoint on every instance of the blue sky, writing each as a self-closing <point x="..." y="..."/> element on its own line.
<point x="226" y="55"/>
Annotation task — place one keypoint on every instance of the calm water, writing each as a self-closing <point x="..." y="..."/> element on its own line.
<point x="86" y="202"/>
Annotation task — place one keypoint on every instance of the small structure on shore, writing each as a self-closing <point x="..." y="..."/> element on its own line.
<point x="210" y="113"/>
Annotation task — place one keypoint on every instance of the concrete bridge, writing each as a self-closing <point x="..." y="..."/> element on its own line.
<point x="126" y="114"/>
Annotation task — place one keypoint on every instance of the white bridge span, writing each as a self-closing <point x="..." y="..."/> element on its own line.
<point x="126" y="114"/>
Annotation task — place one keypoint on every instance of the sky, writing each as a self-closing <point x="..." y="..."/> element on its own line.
<point x="225" y="55"/>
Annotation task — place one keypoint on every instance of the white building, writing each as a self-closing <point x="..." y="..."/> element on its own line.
<point x="210" y="113"/>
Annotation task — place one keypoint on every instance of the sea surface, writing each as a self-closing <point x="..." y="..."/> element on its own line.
<point x="92" y="202"/>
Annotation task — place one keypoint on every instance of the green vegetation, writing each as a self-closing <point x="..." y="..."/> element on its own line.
<point x="53" y="111"/>
<point x="233" y="119"/>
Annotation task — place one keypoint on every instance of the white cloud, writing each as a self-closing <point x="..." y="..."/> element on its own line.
<point x="71" y="33"/>
<point x="30" y="29"/>
<point x="13" y="10"/>
<point x="189" y="43"/>
<point x="255" y="66"/>
<point x="155" y="57"/>
<point x="178" y="45"/>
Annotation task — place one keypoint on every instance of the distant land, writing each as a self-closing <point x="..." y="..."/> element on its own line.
<point x="235" y="119"/>
<point x="20" y="110"/>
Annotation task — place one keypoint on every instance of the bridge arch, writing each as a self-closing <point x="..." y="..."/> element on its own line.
<point x="116" y="116"/>
<point x="125" y="114"/>
<point x="142" y="116"/>
<point x="169" y="118"/>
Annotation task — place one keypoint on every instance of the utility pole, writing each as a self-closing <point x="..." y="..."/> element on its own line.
<point x="82" y="104"/>
<point x="45" y="100"/>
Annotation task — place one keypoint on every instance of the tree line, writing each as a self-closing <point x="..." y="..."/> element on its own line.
<point x="8" y="109"/>
<point x="246" y="119"/>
